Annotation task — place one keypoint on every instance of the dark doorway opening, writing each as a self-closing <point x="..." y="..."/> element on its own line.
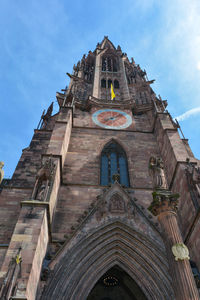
<point x="116" y="284"/>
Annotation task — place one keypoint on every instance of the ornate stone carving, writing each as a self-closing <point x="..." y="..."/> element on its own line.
<point x="163" y="200"/>
<point x="193" y="178"/>
<point x="116" y="177"/>
<point x="156" y="171"/>
<point x="117" y="204"/>
<point x="180" y="251"/>
<point x="1" y="171"/>
<point x="43" y="180"/>
<point x="46" y="117"/>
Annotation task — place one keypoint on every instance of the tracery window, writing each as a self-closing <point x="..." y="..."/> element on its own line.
<point x="109" y="64"/>
<point x="114" y="161"/>
<point x="109" y="83"/>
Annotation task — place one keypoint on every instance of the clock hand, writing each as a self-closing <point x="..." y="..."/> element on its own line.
<point x="109" y="119"/>
<point x="112" y="118"/>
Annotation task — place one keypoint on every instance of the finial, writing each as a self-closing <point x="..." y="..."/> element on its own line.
<point x="116" y="177"/>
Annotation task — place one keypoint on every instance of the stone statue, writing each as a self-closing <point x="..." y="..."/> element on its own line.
<point x="116" y="203"/>
<point x="156" y="170"/>
<point x="1" y="171"/>
<point x="75" y="68"/>
<point x="193" y="176"/>
<point x="42" y="190"/>
<point x="43" y="180"/>
<point x="82" y="65"/>
<point x="47" y="116"/>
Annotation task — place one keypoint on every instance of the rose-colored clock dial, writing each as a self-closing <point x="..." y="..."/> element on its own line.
<point x="112" y="118"/>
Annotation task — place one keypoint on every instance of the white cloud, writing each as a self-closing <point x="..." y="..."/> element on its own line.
<point x="198" y="65"/>
<point x="188" y="113"/>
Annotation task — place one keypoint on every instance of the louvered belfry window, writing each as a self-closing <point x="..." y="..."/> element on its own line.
<point x="114" y="161"/>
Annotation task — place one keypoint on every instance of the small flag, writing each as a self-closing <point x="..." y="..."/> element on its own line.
<point x="18" y="259"/>
<point x="112" y="92"/>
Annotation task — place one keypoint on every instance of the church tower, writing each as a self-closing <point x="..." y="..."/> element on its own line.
<point x="105" y="201"/>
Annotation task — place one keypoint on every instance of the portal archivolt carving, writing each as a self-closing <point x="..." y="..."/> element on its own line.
<point x="80" y="265"/>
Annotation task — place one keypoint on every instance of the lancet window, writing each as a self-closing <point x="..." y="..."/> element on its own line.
<point x="109" y="64"/>
<point x="103" y="83"/>
<point x="109" y="83"/>
<point x="116" y="84"/>
<point x="114" y="161"/>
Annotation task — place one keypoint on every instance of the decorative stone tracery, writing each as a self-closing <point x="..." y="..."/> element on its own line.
<point x="116" y="204"/>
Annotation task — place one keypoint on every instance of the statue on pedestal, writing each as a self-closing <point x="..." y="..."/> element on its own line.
<point x="156" y="170"/>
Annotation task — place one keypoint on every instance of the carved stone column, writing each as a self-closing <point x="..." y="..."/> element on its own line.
<point x="164" y="206"/>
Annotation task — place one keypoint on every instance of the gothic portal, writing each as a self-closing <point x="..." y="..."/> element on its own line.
<point x="104" y="202"/>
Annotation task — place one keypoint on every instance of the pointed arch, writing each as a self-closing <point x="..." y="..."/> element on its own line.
<point x="116" y="84"/>
<point x="103" y="83"/>
<point x="109" y="83"/>
<point x="106" y="43"/>
<point x="113" y="161"/>
<point x="80" y="267"/>
<point x="117" y="284"/>
<point x="115" y="140"/>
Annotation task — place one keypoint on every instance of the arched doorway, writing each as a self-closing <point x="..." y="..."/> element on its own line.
<point x="116" y="284"/>
<point x="111" y="246"/>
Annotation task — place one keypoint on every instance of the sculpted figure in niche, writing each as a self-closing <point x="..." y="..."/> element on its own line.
<point x="156" y="170"/>
<point x="116" y="204"/>
<point x="43" y="180"/>
<point x="42" y="189"/>
<point x="193" y="175"/>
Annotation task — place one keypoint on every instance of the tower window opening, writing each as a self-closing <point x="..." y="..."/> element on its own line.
<point x="104" y="64"/>
<point x="109" y="83"/>
<point x="116" y="84"/>
<point x="114" y="65"/>
<point x="103" y="83"/>
<point x="114" y="161"/>
<point x="109" y="64"/>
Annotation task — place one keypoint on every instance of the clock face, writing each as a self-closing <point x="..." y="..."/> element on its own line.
<point x="112" y="119"/>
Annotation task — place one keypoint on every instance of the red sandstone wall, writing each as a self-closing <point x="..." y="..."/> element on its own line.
<point x="81" y="171"/>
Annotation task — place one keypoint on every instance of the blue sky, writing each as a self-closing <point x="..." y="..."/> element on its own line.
<point x="41" y="40"/>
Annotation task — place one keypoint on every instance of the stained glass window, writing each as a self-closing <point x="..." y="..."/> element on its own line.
<point x="114" y="161"/>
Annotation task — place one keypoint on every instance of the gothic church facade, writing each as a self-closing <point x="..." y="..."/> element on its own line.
<point x="104" y="202"/>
